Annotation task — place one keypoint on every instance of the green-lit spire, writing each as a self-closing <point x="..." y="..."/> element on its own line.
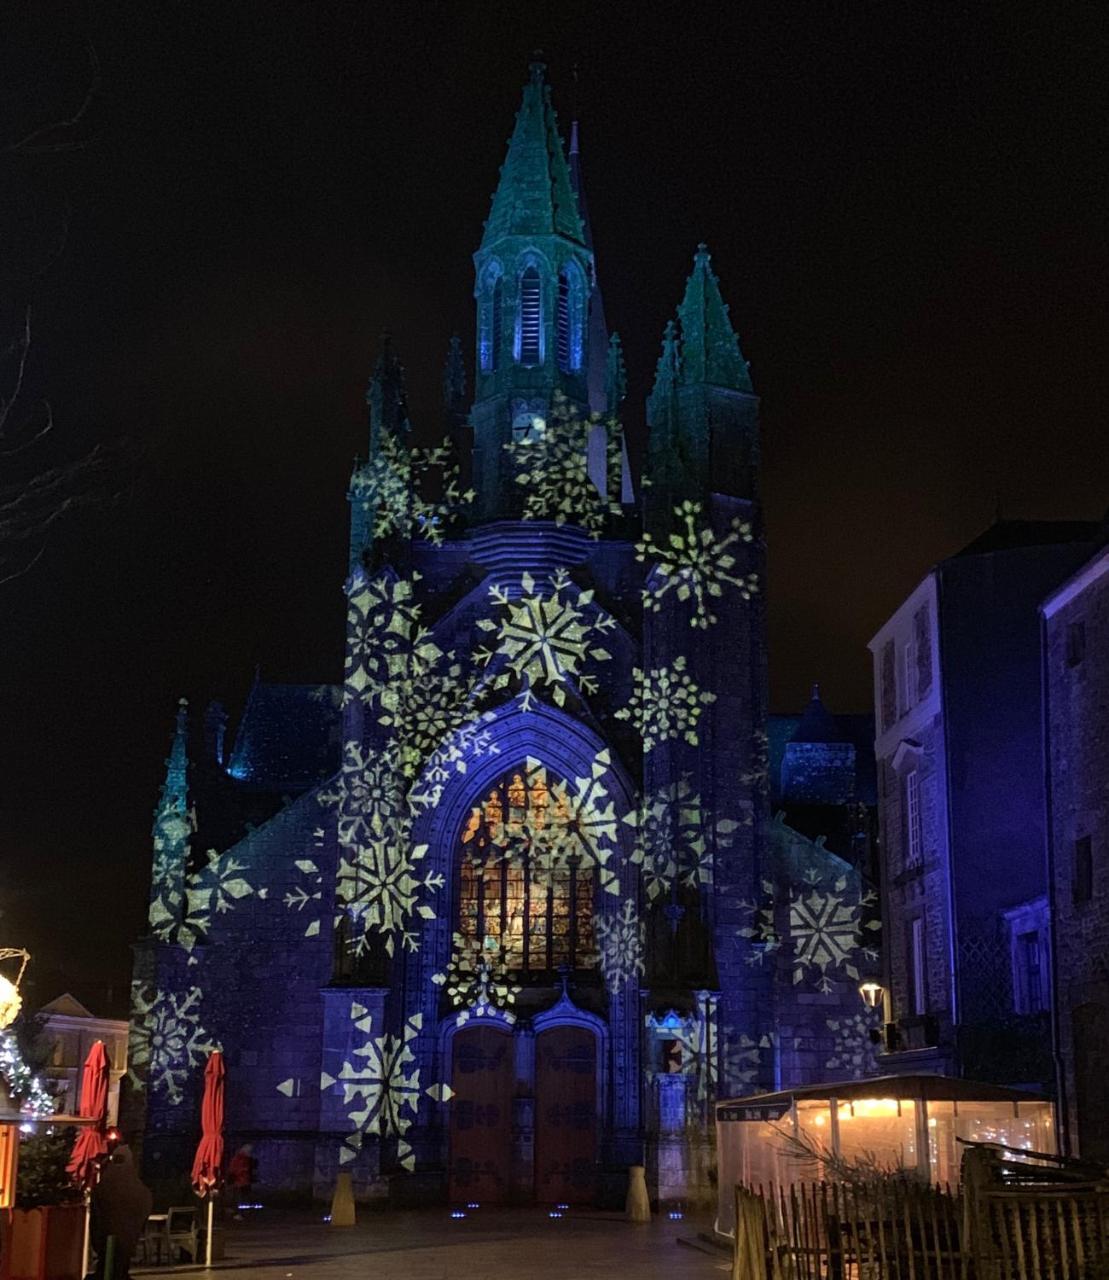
<point x="710" y="348"/>
<point x="667" y="371"/>
<point x="534" y="195"/>
<point x="616" y="377"/>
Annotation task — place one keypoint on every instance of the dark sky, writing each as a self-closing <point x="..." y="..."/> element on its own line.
<point x="905" y="205"/>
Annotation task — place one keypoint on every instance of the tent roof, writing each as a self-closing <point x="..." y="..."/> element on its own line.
<point x="926" y="1088"/>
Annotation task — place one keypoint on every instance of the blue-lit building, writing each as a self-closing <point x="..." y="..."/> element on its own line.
<point x="505" y="908"/>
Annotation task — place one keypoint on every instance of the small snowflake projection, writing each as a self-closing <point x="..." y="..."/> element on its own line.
<point x="622" y="944"/>
<point x="552" y="465"/>
<point x="214" y="890"/>
<point x="395" y="486"/>
<point x="670" y="845"/>
<point x="545" y="637"/>
<point x="306" y="898"/>
<point x="380" y="1086"/>
<point x="695" y="564"/>
<point x="166" y="1039"/>
<point x="386" y="641"/>
<point x="666" y="704"/>
<point x="575" y="827"/>
<point x="477" y="980"/>
<point x="856" y="1052"/>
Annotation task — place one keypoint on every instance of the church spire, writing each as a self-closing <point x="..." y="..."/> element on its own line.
<point x="710" y="348"/>
<point x="598" y="328"/>
<point x="174" y="824"/>
<point x="534" y="196"/>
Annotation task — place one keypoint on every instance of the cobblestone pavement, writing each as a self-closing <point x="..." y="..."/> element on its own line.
<point x="495" y="1244"/>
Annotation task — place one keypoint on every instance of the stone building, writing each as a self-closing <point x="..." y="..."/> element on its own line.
<point x="501" y="912"/>
<point x="1076" y="714"/>
<point x="959" y="750"/>
<point x="66" y="1031"/>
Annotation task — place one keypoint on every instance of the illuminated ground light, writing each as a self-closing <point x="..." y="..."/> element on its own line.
<point x="675" y="1215"/>
<point x="458" y="1213"/>
<point x="473" y="1205"/>
<point x="562" y="1206"/>
<point x="555" y="1213"/>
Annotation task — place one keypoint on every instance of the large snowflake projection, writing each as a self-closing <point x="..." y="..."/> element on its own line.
<point x="622" y="944"/>
<point x="380" y="1086"/>
<point x="666" y="704"/>
<point x="695" y="564"/>
<point x="552" y="465"/>
<point x="167" y="1040"/>
<point x="411" y="491"/>
<point x="386" y="641"/>
<point x="829" y="925"/>
<point x="379" y="879"/>
<point x="856" y="1050"/>
<point x="670" y="845"/>
<point x="545" y="637"/>
<point x="575" y="827"/>
<point x="212" y="891"/>
<point x="477" y="981"/>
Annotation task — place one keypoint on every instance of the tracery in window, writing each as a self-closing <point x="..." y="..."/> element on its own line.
<point x="510" y="896"/>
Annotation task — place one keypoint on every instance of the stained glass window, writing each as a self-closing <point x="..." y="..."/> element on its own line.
<point x="542" y="917"/>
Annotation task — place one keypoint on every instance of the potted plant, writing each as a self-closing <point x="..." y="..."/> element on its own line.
<point x="44" y="1236"/>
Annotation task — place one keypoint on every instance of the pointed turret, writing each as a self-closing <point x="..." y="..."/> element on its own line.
<point x="174" y="824"/>
<point x="598" y="328"/>
<point x="387" y="396"/>
<point x="702" y="412"/>
<point x="616" y="377"/>
<point x="534" y="196"/>
<point x="710" y="348"/>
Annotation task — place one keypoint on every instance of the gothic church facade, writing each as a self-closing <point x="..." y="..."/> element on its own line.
<point x="505" y="911"/>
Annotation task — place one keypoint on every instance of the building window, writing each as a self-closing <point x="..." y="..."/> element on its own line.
<point x="531" y="318"/>
<point x="908" y="679"/>
<point x="490" y="311"/>
<point x="918" y="968"/>
<point x="1076" y="643"/>
<point x="1029" y="994"/>
<point x="542" y="915"/>
<point x="887" y="696"/>
<point x="1083" y="884"/>
<point x="914" y="845"/>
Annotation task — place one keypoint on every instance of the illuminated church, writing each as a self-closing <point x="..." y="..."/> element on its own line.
<point x="505" y="910"/>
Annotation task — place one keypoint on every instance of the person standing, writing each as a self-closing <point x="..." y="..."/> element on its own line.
<point x="240" y="1177"/>
<point x="120" y="1205"/>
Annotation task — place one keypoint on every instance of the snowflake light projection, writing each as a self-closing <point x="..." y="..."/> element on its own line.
<point x="577" y="827"/>
<point x="380" y="1086"/>
<point x="666" y="704"/>
<point x="306" y="898"/>
<point x="695" y="564"/>
<point x="622" y="944"/>
<point x="477" y="981"/>
<point x="166" y="1039"/>
<point x="213" y="890"/>
<point x="545" y="637"/>
<point x="385" y="637"/>
<point x="24" y="1087"/>
<point x="552" y="465"/>
<point x="670" y="845"/>
<point x="828" y="927"/>
<point x="856" y="1052"/>
<point x="394" y="486"/>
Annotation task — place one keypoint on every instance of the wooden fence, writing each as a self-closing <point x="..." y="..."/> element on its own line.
<point x="896" y="1230"/>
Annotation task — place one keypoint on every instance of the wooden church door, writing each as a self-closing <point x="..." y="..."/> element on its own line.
<point x="482" y="1076"/>
<point x="565" y="1116"/>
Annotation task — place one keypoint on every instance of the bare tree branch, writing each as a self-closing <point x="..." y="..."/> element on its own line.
<point x="30" y="144"/>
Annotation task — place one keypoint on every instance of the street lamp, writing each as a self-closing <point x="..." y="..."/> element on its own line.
<point x="872" y="993"/>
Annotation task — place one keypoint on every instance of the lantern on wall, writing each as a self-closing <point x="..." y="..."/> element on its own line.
<point x="10" y="999"/>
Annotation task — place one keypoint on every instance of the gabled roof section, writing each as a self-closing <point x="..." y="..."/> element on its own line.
<point x="534" y="196"/>
<point x="66" y="1006"/>
<point x="710" y="348"/>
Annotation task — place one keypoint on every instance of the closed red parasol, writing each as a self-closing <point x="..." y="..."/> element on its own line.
<point x="92" y="1141"/>
<point x="208" y="1165"/>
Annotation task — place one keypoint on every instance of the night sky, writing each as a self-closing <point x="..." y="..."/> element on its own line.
<point x="905" y="206"/>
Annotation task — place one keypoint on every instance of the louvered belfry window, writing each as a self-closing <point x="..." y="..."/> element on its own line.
<point x="531" y="319"/>
<point x="563" y="323"/>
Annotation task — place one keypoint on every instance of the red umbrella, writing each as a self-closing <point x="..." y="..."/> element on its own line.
<point x="92" y="1142"/>
<point x="208" y="1164"/>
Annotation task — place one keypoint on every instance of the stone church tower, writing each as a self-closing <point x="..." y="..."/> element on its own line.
<point x="503" y="913"/>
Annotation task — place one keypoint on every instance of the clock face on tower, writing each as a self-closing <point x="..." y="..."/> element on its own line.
<point x="528" y="423"/>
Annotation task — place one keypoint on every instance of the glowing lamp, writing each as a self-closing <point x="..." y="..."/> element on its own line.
<point x="871" y="993"/>
<point x="10" y="1002"/>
